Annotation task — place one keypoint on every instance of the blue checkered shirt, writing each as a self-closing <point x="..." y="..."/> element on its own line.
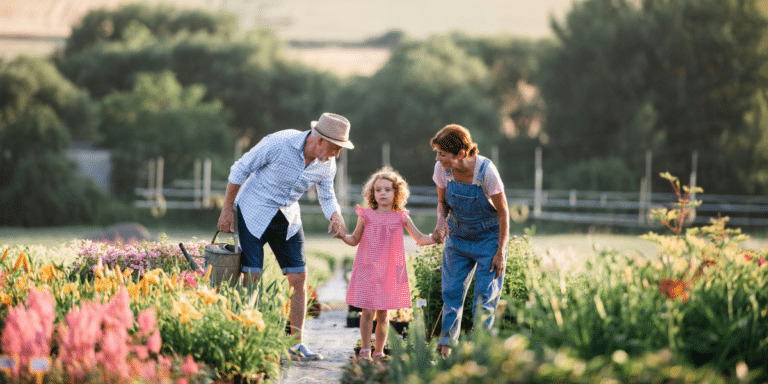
<point x="277" y="180"/>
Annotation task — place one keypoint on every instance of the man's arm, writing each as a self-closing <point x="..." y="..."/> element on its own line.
<point x="227" y="217"/>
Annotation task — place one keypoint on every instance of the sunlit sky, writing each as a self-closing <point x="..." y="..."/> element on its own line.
<point x="361" y="19"/>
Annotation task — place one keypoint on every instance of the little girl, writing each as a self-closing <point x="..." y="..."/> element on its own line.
<point x="379" y="280"/>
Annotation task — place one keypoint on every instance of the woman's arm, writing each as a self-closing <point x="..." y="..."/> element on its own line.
<point x="441" y="229"/>
<point x="420" y="238"/>
<point x="499" y="201"/>
<point x="355" y="237"/>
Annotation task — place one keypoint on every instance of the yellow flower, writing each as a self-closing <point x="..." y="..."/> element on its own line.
<point x="232" y="315"/>
<point x="168" y="283"/>
<point x="6" y="299"/>
<point x="153" y="276"/>
<point x="253" y="317"/>
<point x="134" y="290"/>
<point x="22" y="284"/>
<point x="207" y="273"/>
<point x="48" y="273"/>
<point x="5" y="254"/>
<point x="102" y="284"/>
<point x="185" y="310"/>
<point x="23" y="262"/>
<point x="70" y="288"/>
<point x="207" y="295"/>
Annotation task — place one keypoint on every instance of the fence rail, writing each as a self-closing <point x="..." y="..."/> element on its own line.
<point x="628" y="209"/>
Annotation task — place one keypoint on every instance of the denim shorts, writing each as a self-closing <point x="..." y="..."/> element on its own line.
<point x="290" y="254"/>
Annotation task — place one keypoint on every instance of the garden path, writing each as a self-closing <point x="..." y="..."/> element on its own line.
<point x="327" y="334"/>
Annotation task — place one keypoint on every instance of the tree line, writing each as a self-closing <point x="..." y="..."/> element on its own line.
<point x="618" y="79"/>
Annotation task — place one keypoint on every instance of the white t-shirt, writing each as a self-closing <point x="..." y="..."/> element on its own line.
<point x="491" y="183"/>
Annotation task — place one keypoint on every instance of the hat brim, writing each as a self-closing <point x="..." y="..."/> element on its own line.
<point x="344" y="144"/>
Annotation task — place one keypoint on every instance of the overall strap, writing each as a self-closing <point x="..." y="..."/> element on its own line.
<point x="481" y="171"/>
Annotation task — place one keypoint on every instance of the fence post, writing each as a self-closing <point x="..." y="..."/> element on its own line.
<point x="539" y="176"/>
<point x="198" y="184"/>
<point x="385" y="154"/>
<point x="694" y="165"/>
<point x="207" y="183"/>
<point x="645" y="190"/>
<point x="342" y="186"/>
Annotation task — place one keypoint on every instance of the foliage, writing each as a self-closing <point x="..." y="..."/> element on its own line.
<point x="423" y="87"/>
<point x="163" y="21"/>
<point x="672" y="77"/>
<point x="487" y="359"/>
<point x="42" y="112"/>
<point x="160" y="118"/>
<point x="703" y="298"/>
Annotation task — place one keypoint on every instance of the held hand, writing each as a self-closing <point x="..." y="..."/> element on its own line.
<point x="498" y="263"/>
<point x="226" y="221"/>
<point x="337" y="226"/>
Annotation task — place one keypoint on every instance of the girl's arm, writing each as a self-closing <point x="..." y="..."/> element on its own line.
<point x="420" y="238"/>
<point x="354" y="238"/>
<point x="499" y="201"/>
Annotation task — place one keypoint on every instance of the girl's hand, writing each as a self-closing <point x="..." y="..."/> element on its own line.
<point x="498" y="263"/>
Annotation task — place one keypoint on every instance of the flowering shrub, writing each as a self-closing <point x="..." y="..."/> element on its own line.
<point x="94" y="343"/>
<point x="118" y="325"/>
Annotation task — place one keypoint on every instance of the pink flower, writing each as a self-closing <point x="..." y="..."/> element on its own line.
<point x="761" y="261"/>
<point x="147" y="321"/>
<point x="182" y="380"/>
<point x="189" y="367"/>
<point x="155" y="342"/>
<point x="748" y="256"/>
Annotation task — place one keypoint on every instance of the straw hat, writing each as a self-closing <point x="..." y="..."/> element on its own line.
<point x="334" y="128"/>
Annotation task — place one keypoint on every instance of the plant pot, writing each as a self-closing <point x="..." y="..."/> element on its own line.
<point x="401" y="327"/>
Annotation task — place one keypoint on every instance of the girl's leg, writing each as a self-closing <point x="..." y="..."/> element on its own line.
<point x="366" y="328"/>
<point x="382" y="329"/>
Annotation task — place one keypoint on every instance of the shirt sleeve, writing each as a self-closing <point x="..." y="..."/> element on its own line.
<point x="253" y="160"/>
<point x="325" y="193"/>
<point x="492" y="183"/>
<point x="439" y="176"/>
<point x="405" y="214"/>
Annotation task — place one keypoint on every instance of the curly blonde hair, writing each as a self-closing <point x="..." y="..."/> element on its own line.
<point x="399" y="185"/>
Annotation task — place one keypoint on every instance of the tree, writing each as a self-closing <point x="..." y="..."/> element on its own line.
<point x="159" y="117"/>
<point x="38" y="184"/>
<point x="423" y="87"/>
<point x="668" y="76"/>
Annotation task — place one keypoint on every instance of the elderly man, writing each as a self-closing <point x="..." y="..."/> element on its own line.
<point x="279" y="169"/>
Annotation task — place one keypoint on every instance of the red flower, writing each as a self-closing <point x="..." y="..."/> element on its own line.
<point x="748" y="256"/>
<point x="673" y="289"/>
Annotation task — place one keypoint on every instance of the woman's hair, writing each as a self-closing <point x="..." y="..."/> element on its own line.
<point x="399" y="186"/>
<point x="453" y="138"/>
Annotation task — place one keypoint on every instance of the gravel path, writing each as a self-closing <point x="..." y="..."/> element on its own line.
<point x="327" y="334"/>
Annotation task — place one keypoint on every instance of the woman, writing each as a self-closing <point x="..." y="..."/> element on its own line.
<point x="472" y="212"/>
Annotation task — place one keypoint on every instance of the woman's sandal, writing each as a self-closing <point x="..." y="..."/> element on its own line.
<point x="380" y="356"/>
<point x="365" y="354"/>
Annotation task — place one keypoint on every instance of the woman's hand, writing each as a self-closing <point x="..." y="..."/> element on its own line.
<point x="498" y="263"/>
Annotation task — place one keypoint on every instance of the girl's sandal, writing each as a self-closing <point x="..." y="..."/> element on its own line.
<point x="380" y="356"/>
<point x="365" y="354"/>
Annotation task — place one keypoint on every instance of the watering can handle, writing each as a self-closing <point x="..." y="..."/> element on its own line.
<point x="234" y="234"/>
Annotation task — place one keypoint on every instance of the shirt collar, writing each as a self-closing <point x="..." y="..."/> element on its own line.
<point x="300" y="140"/>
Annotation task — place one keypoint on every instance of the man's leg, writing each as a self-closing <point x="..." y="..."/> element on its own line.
<point x="298" y="282"/>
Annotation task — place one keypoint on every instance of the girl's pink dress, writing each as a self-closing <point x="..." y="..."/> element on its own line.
<point x="379" y="276"/>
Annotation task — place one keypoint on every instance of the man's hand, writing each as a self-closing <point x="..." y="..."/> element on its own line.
<point x="337" y="226"/>
<point x="226" y="221"/>
<point x="498" y="263"/>
<point x="441" y="231"/>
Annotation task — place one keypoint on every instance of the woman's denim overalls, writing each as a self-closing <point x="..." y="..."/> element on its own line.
<point x="471" y="244"/>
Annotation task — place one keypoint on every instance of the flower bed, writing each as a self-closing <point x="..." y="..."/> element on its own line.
<point x="154" y="323"/>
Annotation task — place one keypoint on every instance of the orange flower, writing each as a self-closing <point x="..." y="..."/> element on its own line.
<point x="674" y="288"/>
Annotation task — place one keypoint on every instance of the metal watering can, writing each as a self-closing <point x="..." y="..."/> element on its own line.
<point x="224" y="259"/>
